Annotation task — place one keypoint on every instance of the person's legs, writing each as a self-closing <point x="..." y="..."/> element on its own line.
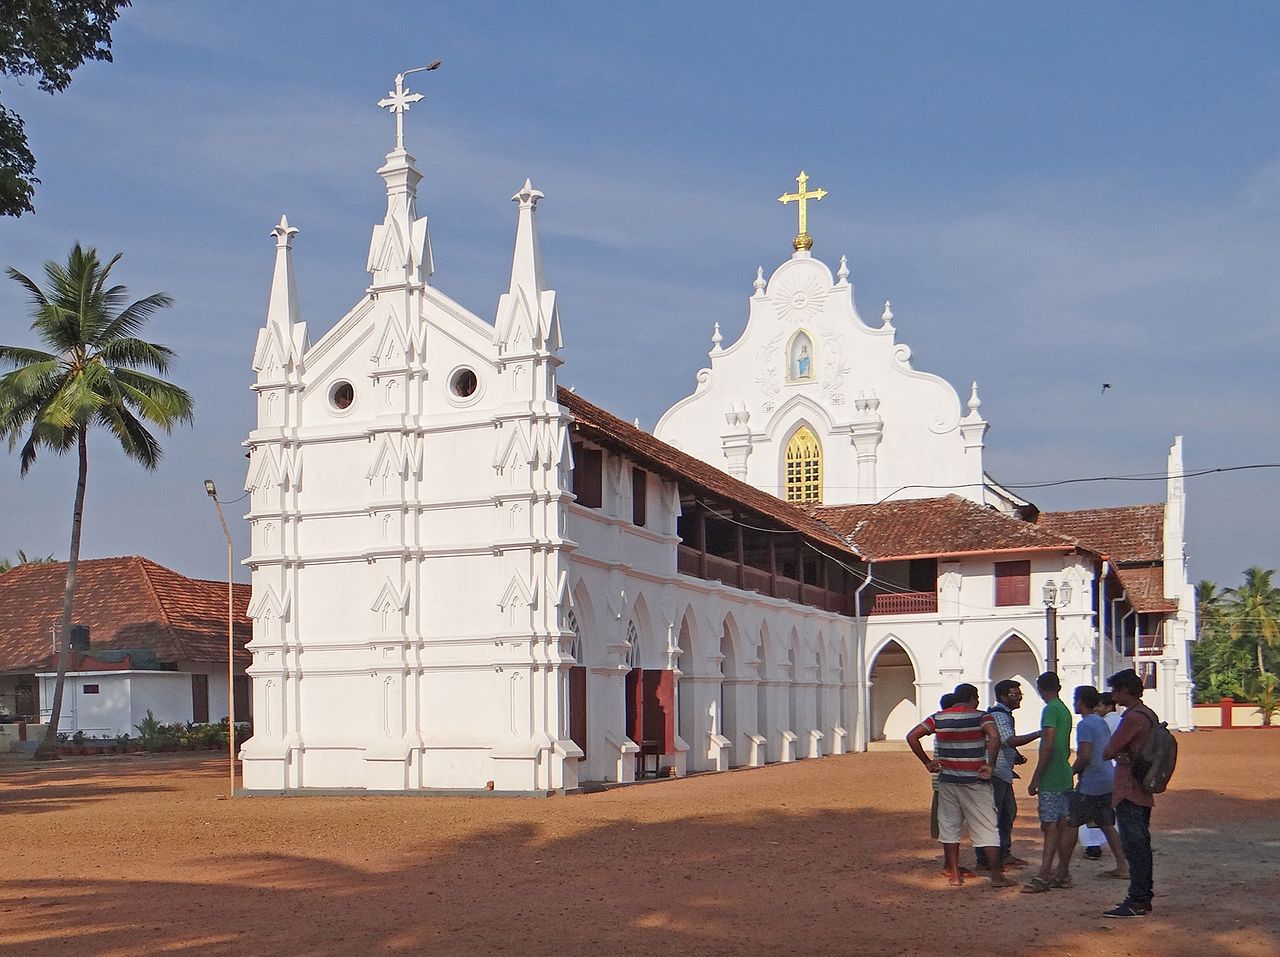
<point x="1066" y="847"/>
<point x="1092" y="839"/>
<point x="1052" y="808"/>
<point x="978" y="804"/>
<point x="950" y="820"/>
<point x="1006" y="811"/>
<point x="1113" y="841"/>
<point x="951" y="863"/>
<point x="1135" y="836"/>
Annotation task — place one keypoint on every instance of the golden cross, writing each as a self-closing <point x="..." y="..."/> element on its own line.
<point x="803" y="240"/>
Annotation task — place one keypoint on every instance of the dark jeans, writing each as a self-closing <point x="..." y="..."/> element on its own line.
<point x="1134" y="821"/>
<point x="1006" y="812"/>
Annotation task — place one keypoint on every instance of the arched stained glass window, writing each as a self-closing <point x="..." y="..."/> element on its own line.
<point x="804" y="467"/>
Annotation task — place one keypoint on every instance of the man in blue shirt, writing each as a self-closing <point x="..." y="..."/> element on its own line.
<point x="1091" y="801"/>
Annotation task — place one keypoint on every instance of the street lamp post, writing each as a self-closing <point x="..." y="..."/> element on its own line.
<point x="212" y="492"/>
<point x="1055" y="597"/>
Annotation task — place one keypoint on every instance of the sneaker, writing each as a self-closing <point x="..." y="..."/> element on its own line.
<point x="1093" y="853"/>
<point x="1127" y="909"/>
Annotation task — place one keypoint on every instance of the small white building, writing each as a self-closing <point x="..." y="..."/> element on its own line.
<point x="465" y="577"/>
<point x="144" y="638"/>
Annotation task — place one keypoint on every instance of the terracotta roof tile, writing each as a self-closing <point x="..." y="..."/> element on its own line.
<point x="1127" y="533"/>
<point x="1144" y="587"/>
<point x="935" y="527"/>
<point x="595" y="423"/>
<point x="128" y="603"/>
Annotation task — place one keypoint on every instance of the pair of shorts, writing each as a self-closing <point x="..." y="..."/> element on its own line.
<point x="970" y="804"/>
<point x="1094" y="810"/>
<point x="1053" y="805"/>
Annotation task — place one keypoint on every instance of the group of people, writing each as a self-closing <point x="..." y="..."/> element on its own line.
<point x="973" y="764"/>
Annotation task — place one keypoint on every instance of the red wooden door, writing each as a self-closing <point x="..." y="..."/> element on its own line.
<point x="578" y="706"/>
<point x="635" y="705"/>
<point x="659" y="712"/>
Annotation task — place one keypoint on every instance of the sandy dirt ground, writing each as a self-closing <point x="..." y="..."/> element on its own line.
<point x="146" y="855"/>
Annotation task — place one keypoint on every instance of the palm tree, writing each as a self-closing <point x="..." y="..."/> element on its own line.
<point x="96" y="375"/>
<point x="1253" y="615"/>
<point x="23" y="559"/>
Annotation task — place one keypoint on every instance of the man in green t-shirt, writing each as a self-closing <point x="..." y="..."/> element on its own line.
<point x="1051" y="785"/>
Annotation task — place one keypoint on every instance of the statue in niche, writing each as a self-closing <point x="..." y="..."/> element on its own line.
<point x="800" y="360"/>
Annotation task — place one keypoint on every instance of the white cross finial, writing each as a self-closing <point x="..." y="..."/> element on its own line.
<point x="399" y="100"/>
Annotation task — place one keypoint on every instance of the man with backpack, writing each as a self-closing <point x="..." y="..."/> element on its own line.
<point x="1132" y="802"/>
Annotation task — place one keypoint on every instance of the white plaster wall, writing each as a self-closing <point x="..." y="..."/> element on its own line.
<point x="619" y="574"/>
<point x="122" y="701"/>
<point x="921" y="438"/>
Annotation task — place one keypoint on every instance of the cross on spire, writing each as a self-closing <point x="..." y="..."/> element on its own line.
<point x="803" y="240"/>
<point x="399" y="100"/>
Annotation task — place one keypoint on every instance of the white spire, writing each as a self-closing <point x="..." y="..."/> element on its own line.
<point x="526" y="264"/>
<point x="842" y="275"/>
<point x="282" y="306"/>
<point x="887" y="316"/>
<point x="716" y="339"/>
<point x="400" y="250"/>
<point x="527" y="310"/>
<point x="759" y="283"/>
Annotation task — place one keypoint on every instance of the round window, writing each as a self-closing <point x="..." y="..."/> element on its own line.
<point x="463" y="384"/>
<point x="342" y="395"/>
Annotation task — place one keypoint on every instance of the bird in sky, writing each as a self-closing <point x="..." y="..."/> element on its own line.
<point x="1105" y="387"/>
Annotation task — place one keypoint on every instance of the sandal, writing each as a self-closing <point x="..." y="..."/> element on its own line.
<point x="1060" y="883"/>
<point x="1036" y="886"/>
<point x="1114" y="875"/>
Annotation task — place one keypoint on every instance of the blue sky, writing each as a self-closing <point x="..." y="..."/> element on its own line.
<point x="1054" y="196"/>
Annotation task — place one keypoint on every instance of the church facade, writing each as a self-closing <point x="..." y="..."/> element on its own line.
<point x="468" y="578"/>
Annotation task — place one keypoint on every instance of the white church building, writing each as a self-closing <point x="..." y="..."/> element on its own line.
<point x="468" y="578"/>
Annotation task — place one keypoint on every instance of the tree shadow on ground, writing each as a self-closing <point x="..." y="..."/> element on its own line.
<point x="821" y="881"/>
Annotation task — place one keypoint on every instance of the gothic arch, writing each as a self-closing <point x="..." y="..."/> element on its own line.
<point x="797" y="411"/>
<point x="731" y="647"/>
<point x="894" y="677"/>
<point x="650" y="653"/>
<point x="588" y="628"/>
<point x="1012" y="656"/>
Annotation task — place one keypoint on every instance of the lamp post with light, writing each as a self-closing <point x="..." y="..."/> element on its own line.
<point x="212" y="492"/>
<point x="1055" y="597"/>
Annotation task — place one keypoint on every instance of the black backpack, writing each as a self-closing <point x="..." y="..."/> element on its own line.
<point x="1153" y="766"/>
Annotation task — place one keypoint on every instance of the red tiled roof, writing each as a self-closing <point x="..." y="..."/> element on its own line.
<point x="128" y="603"/>
<point x="1144" y="587"/>
<point x="1127" y="533"/>
<point x="934" y="528"/>
<point x="595" y="423"/>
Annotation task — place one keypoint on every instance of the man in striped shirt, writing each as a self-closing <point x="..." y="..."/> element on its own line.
<point x="966" y="749"/>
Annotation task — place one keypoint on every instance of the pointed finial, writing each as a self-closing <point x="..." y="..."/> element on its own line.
<point x="842" y="274"/>
<point x="974" y="402"/>
<point x="636" y="422"/>
<point x="887" y="316"/>
<point x="716" y="338"/>
<point x="528" y="196"/>
<point x="282" y="303"/>
<point x="399" y="100"/>
<point x="759" y="283"/>
<point x="284" y="233"/>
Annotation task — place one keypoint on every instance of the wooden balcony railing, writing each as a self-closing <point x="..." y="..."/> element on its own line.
<point x="903" y="603"/>
<point x="689" y="561"/>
